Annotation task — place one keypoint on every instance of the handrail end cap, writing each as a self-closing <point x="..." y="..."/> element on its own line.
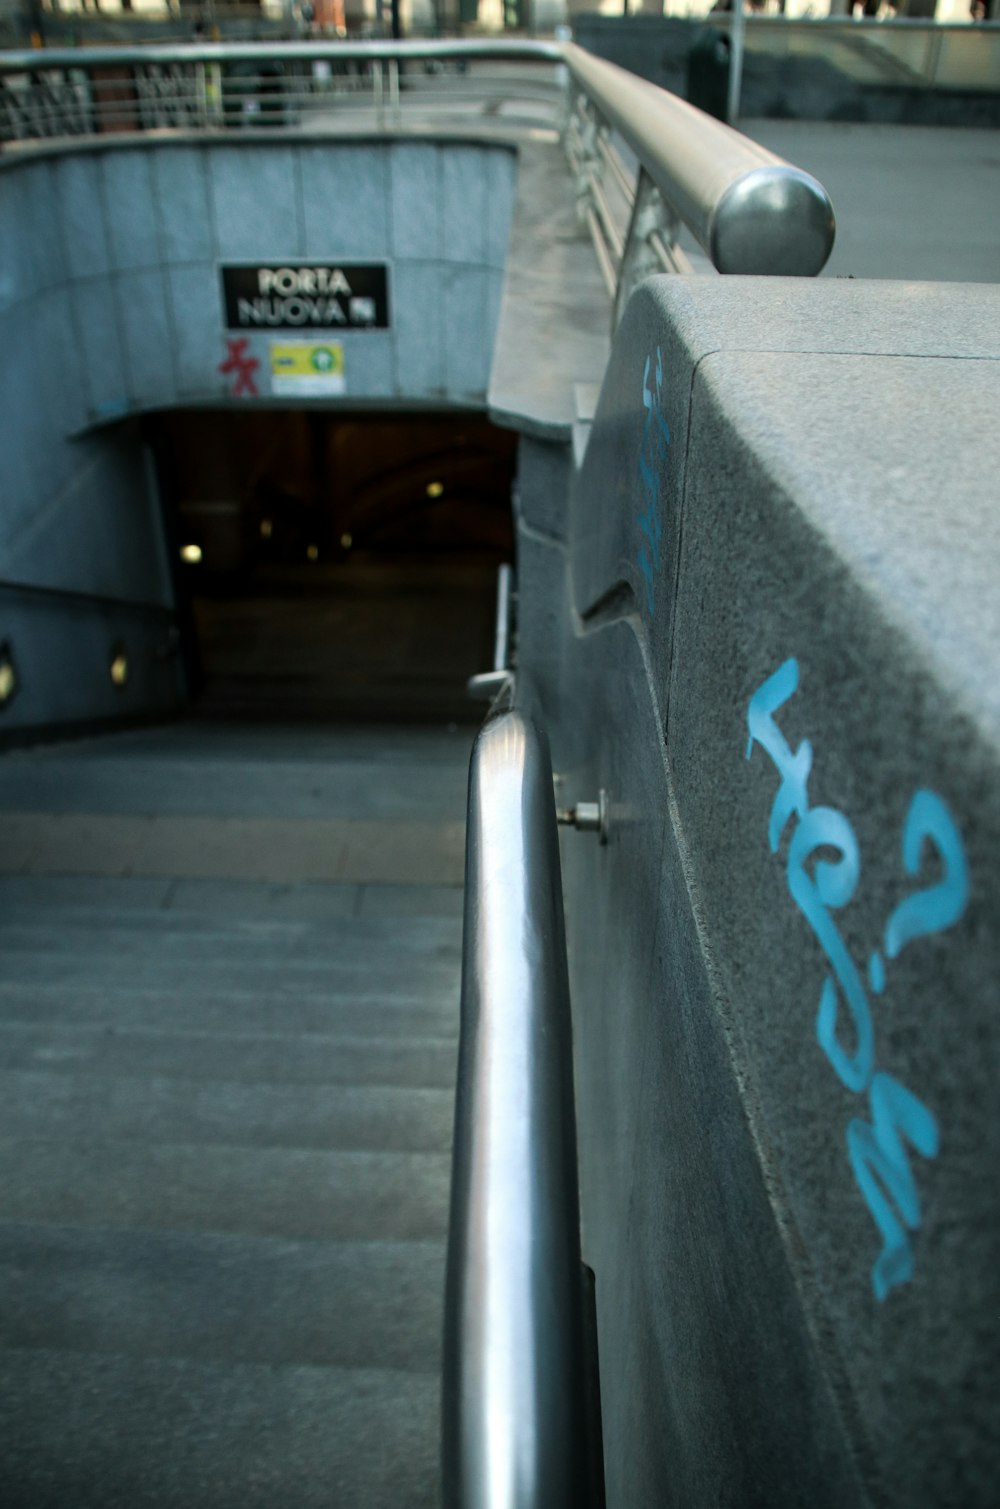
<point x="774" y="220"/>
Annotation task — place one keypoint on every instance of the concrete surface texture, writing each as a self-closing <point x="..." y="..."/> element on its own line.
<point x="778" y="659"/>
<point x="554" y="325"/>
<point x="226" y="1118"/>
<point x="130" y="242"/>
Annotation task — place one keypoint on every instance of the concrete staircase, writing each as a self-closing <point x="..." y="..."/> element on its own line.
<point x="229" y="979"/>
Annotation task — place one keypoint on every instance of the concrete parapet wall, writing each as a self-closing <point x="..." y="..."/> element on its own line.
<point x="781" y="663"/>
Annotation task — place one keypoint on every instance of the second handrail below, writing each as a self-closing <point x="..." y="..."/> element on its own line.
<point x="516" y="1416"/>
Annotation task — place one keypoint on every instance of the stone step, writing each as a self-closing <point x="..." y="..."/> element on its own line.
<point x="270" y="849"/>
<point x="227" y="788"/>
<point x="363" y="1011"/>
<point x="346" y="941"/>
<point x="257" y="1191"/>
<point x="141" y="1109"/>
<point x="282" y="975"/>
<point x="218" y="1298"/>
<point x="96" y="1431"/>
<point x="383" y="746"/>
<point x="226" y="1107"/>
<point x="418" y="1063"/>
<point x="117" y="895"/>
<point x="325" y="907"/>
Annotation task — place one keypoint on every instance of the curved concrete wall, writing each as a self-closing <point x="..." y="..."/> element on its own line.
<point x="79" y="512"/>
<point x="134" y="237"/>
<point x="111" y="305"/>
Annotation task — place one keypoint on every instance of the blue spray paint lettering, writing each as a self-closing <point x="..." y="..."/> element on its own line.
<point x="830" y="886"/>
<point x="793" y="769"/>
<point x="652" y="463"/>
<point x="875" y="1150"/>
<point x="880" y="1163"/>
<point x="940" y="906"/>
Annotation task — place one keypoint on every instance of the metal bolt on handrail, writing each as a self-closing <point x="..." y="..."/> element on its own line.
<point x="588" y="817"/>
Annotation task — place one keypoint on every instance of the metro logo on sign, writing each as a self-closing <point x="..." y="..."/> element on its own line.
<point x="320" y="296"/>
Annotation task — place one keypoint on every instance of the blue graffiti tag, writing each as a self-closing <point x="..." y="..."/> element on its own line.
<point x="652" y="463"/>
<point x="878" y="1159"/>
<point x="829" y="887"/>
<point x="875" y="1149"/>
<point x="941" y="905"/>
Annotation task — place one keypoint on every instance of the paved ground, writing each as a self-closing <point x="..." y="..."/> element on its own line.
<point x="226" y="1099"/>
<point x="915" y="202"/>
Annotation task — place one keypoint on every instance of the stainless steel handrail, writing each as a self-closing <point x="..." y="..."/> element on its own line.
<point x="501" y="631"/>
<point x="32" y="61"/>
<point x="515" y="1402"/>
<point x="487" y="685"/>
<point x="751" y="211"/>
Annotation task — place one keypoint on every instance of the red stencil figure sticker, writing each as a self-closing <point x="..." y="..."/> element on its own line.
<point x="243" y="366"/>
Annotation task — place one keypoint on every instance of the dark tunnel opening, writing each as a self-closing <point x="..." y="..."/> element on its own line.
<point x="333" y="565"/>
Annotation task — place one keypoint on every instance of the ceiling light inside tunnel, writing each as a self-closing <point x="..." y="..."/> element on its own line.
<point x="312" y="551"/>
<point x="191" y="555"/>
<point x="8" y="676"/>
<point x="435" y="489"/>
<point x="119" y="665"/>
<point x="347" y="540"/>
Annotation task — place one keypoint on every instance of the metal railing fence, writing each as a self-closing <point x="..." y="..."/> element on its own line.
<point x="316" y="85"/>
<point x="750" y="211"/>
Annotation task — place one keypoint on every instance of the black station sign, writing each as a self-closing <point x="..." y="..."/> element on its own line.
<point x="314" y="296"/>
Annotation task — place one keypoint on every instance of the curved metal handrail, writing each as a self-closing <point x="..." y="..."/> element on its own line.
<point x="750" y="210"/>
<point x="515" y="1410"/>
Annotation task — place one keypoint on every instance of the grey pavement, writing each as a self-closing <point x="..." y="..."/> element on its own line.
<point x="913" y="202"/>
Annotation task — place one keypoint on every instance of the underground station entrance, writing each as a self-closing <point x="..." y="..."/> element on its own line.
<point x="333" y="565"/>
